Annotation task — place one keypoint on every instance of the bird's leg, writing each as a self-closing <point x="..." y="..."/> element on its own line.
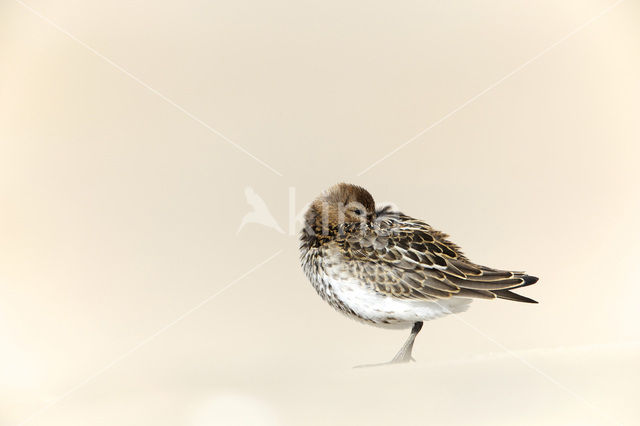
<point x="404" y="354"/>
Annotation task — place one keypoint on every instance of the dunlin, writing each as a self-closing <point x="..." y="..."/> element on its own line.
<point x="388" y="269"/>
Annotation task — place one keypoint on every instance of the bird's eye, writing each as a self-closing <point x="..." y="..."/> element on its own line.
<point x="358" y="212"/>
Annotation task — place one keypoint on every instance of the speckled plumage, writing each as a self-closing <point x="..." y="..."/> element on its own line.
<point x="388" y="269"/>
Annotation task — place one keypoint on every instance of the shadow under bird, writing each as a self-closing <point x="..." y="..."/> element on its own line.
<point x="390" y="270"/>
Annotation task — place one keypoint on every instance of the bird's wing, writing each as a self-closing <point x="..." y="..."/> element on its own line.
<point x="406" y="258"/>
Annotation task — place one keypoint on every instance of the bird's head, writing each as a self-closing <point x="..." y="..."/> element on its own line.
<point x="342" y="203"/>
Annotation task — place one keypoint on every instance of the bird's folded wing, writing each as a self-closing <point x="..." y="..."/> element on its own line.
<point x="413" y="261"/>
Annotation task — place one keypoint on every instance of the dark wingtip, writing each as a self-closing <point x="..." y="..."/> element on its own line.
<point x="528" y="280"/>
<point x="509" y="295"/>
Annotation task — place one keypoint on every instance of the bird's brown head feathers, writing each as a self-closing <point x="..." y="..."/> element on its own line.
<point x="342" y="203"/>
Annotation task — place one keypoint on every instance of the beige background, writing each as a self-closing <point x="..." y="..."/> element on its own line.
<point x="119" y="211"/>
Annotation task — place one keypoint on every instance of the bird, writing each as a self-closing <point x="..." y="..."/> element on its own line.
<point x="390" y="270"/>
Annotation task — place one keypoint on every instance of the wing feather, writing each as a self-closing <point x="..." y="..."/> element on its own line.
<point x="406" y="258"/>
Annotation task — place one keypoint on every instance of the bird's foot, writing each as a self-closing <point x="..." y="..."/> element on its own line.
<point x="404" y="359"/>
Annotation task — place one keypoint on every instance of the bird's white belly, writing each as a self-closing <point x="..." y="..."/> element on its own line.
<point x="388" y="311"/>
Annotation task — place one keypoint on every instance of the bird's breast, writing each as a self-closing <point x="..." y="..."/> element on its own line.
<point x="359" y="300"/>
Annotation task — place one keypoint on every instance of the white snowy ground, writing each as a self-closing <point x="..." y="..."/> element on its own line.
<point x="586" y="385"/>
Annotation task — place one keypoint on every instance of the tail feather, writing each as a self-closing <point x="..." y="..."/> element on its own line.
<point x="509" y="295"/>
<point x="470" y="290"/>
